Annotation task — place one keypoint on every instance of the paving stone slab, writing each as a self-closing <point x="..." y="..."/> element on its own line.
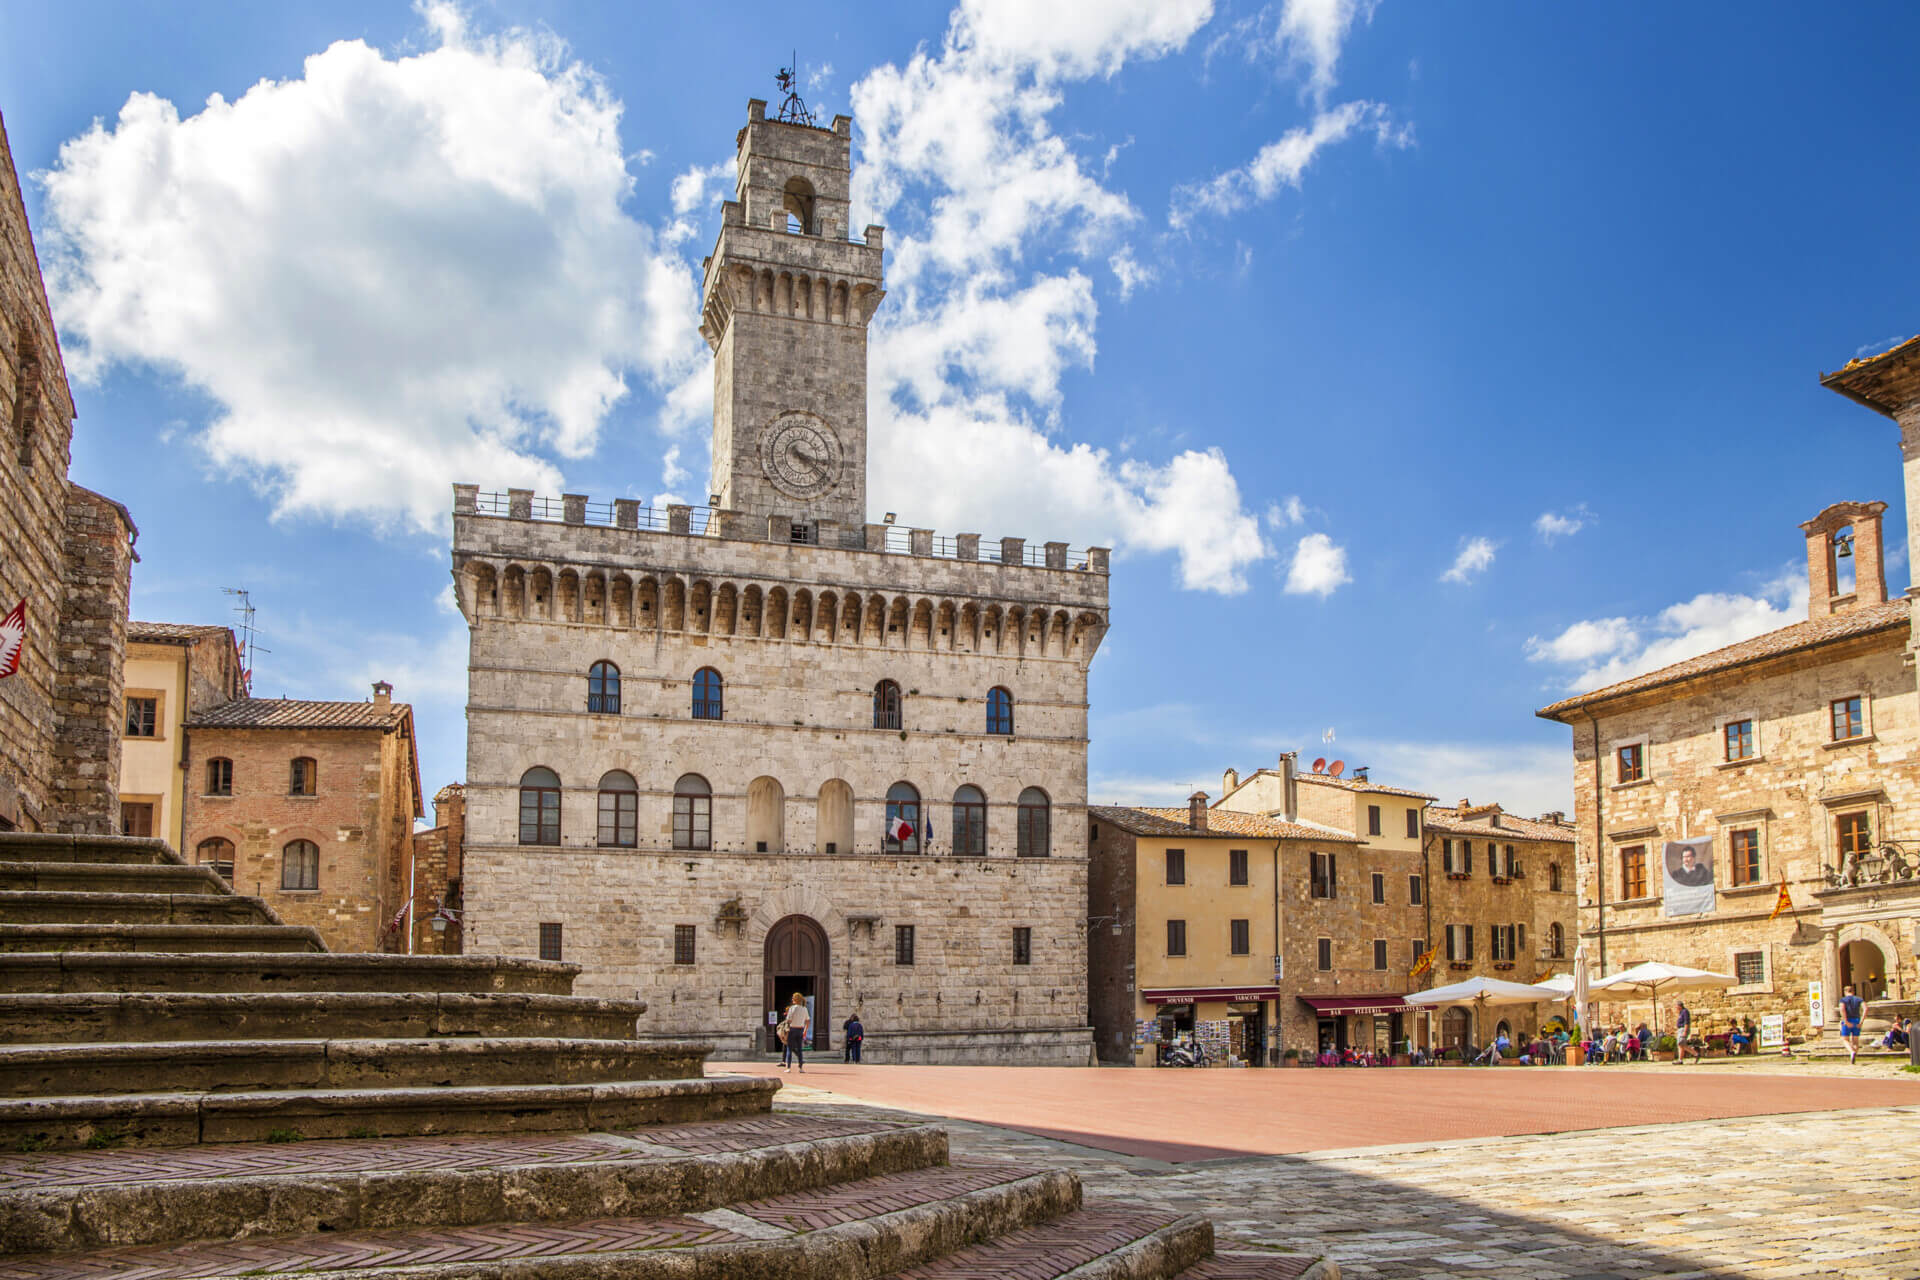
<point x="241" y="971"/>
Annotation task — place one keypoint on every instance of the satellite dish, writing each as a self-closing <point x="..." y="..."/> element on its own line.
<point x="1337" y="768"/>
<point x="1320" y="762"/>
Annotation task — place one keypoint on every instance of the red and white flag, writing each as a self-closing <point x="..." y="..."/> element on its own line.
<point x="899" y="830"/>
<point x="13" y="639"/>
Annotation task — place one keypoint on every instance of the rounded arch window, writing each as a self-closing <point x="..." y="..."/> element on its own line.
<point x="999" y="711"/>
<point x="217" y="856"/>
<point x="219" y="776"/>
<point x="708" y="694"/>
<point x="886" y="705"/>
<point x="1034" y="825"/>
<point x="603" y="689"/>
<point x="539" y="806"/>
<point x="970" y="822"/>
<point x="1557" y="939"/>
<point x="300" y="865"/>
<point x="619" y="810"/>
<point x="797" y="200"/>
<point x="1553" y="876"/>
<point x="692" y="813"/>
<point x="903" y="819"/>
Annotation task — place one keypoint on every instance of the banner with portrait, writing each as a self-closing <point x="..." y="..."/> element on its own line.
<point x="1687" y="866"/>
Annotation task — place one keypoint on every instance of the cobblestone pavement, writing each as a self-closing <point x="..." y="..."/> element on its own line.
<point x="1809" y="1194"/>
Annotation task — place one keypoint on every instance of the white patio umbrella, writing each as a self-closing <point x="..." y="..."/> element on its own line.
<point x="1582" y="991"/>
<point x="1656" y="978"/>
<point x="1481" y="992"/>
<point x="1561" y="983"/>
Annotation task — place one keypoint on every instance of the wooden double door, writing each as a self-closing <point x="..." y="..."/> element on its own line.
<point x="797" y="961"/>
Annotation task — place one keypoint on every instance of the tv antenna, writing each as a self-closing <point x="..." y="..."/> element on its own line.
<point x="792" y="109"/>
<point x="249" y="638"/>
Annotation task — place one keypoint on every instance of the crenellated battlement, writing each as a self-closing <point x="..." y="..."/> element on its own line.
<point x="717" y="522"/>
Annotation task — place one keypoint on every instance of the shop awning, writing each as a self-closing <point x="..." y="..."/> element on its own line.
<point x="1334" y="1006"/>
<point x="1190" y="995"/>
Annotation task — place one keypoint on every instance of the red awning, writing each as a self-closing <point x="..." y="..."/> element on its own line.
<point x="1188" y="995"/>
<point x="1336" y="1005"/>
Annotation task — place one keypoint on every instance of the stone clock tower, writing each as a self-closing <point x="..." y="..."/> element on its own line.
<point x="786" y="303"/>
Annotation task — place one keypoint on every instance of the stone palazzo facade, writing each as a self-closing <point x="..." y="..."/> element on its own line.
<point x="722" y="755"/>
<point x="1795" y="757"/>
<point x="65" y="551"/>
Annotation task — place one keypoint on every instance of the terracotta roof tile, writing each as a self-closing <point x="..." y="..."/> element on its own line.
<point x="1448" y="821"/>
<point x="295" y="713"/>
<point x="1800" y="636"/>
<point x="1220" y="822"/>
<point x="1345" y="784"/>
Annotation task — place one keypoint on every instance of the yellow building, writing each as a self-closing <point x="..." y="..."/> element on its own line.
<point x="172" y="671"/>
<point x="1186" y="928"/>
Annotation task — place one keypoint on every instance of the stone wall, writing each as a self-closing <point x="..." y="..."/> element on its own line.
<point x="1791" y="792"/>
<point x="89" y="717"/>
<point x="1113" y="940"/>
<point x="437" y="855"/>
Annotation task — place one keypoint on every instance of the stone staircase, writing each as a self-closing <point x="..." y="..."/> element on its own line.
<point x="177" y="1101"/>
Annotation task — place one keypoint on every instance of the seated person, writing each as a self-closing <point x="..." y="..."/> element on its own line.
<point x="1737" y="1040"/>
<point x="1896" y="1037"/>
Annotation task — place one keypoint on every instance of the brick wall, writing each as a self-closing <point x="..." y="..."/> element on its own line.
<point x="92" y="647"/>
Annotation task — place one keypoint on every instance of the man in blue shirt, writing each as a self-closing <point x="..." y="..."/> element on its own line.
<point x="1852" y="1011"/>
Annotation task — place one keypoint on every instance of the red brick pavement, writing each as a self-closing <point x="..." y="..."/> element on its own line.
<point x="1209" y="1114"/>
<point x="255" y="1159"/>
<point x="1046" y="1251"/>
<point x="1246" y="1266"/>
<point x="871" y="1197"/>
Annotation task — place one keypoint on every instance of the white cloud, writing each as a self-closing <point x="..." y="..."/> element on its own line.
<point x="1866" y="349"/>
<point x="1292" y="511"/>
<point x="388" y="274"/>
<point x="1319" y="566"/>
<point x="1282" y="163"/>
<point x="1522" y="778"/>
<point x="960" y="161"/>
<point x="1311" y="33"/>
<point x="1553" y="525"/>
<point x="1608" y="650"/>
<point x="1476" y="554"/>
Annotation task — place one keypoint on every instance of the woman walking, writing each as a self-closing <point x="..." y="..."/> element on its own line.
<point x="797" y="1020"/>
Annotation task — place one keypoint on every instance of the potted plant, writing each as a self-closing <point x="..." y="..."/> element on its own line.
<point x="1290" y="1058"/>
<point x="1663" y="1049"/>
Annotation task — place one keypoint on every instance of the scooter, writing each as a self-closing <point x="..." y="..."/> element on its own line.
<point x="1182" y="1055"/>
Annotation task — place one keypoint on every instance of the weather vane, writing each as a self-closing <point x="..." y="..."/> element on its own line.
<point x="792" y="109"/>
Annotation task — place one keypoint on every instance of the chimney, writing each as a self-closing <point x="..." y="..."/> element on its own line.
<point x="382" y="694"/>
<point x="1554" y="817"/>
<point x="1197" y="811"/>
<point x="1464" y="804"/>
<point x="1289" y="786"/>
<point x="1845" y="530"/>
<point x="1228" y="781"/>
<point x="1360" y="774"/>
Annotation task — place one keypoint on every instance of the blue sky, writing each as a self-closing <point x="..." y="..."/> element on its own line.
<point x="1422" y="363"/>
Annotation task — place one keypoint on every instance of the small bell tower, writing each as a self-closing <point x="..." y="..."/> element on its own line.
<point x="786" y="301"/>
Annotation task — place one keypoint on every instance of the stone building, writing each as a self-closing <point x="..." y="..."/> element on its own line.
<point x="1188" y="928"/>
<point x="173" y="672"/>
<point x="723" y="755"/>
<point x="1791" y="760"/>
<point x="310" y="806"/>
<point x="438" y="853"/>
<point x="68" y="555"/>
<point x="1500" y="903"/>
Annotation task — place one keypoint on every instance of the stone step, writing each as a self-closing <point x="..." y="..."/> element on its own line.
<point x="233" y="1066"/>
<point x="172" y="938"/>
<point x="1108" y="1244"/>
<point x="33" y="906"/>
<point x="850" y="1231"/>
<point x="133" y="1017"/>
<point x="86" y="1199"/>
<point x="110" y="877"/>
<point x="45" y="846"/>
<point x="241" y="971"/>
<point x="183" y="1119"/>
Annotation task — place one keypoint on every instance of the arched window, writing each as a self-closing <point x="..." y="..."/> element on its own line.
<point x="219" y="776"/>
<point x="833" y="829"/>
<point x="300" y="865"/>
<point x="619" y="809"/>
<point x="766" y="815"/>
<point x="1557" y="939"/>
<point x="304" y="779"/>
<point x="603" y="689"/>
<point x="539" y="807"/>
<point x="707" y="690"/>
<point x="692" y="813"/>
<point x="970" y="822"/>
<point x="216" y="855"/>
<point x="903" y="819"/>
<point x="886" y="705"/>
<point x="999" y="711"/>
<point x="1553" y="879"/>
<point x="797" y="199"/>
<point x="1033" y="829"/>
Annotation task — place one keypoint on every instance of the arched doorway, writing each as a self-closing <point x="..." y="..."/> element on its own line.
<point x="796" y="960"/>
<point x="1864" y="968"/>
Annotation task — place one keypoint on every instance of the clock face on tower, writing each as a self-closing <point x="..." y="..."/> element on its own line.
<point x="800" y="455"/>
